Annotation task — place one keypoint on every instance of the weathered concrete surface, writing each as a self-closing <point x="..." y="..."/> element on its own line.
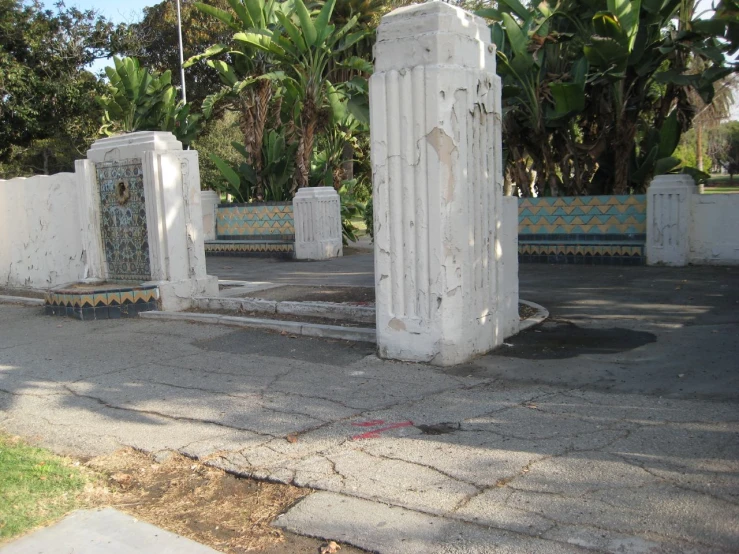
<point x="356" y="270"/>
<point x="613" y="428"/>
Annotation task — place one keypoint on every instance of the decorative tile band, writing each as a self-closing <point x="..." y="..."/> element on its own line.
<point x="594" y="254"/>
<point x="625" y="214"/>
<point x="101" y="303"/>
<point x="255" y="220"/>
<point x="249" y="248"/>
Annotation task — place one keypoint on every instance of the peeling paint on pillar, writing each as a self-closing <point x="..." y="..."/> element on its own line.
<point x="437" y="168"/>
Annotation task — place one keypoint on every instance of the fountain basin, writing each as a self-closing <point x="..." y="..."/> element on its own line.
<point x="101" y="300"/>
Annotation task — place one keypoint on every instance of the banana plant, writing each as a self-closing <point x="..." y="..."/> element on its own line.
<point x="248" y="75"/>
<point x="305" y="44"/>
<point x="241" y="179"/>
<point x="589" y="85"/>
<point x="140" y="100"/>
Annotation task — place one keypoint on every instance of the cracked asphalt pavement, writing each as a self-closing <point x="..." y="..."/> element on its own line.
<point x="613" y="427"/>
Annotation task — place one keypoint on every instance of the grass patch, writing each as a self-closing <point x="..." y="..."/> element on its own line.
<point x="720" y="190"/>
<point x="36" y="487"/>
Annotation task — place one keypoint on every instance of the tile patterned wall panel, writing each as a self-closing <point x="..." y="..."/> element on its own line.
<point x="626" y="214"/>
<point x="599" y="230"/>
<point x="240" y="221"/>
<point x="123" y="215"/>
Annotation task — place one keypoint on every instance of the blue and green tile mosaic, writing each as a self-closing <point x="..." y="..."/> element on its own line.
<point x="104" y="303"/>
<point x="123" y="219"/>
<point x="591" y="230"/>
<point x="263" y="220"/>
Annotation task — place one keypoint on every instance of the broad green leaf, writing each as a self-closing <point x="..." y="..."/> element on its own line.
<point x="324" y="16"/>
<point x="665" y="165"/>
<point x="226" y="170"/>
<point x="489" y="13"/>
<point x="306" y="23"/>
<point x="607" y="25"/>
<point x="627" y="13"/>
<point x="606" y="53"/>
<point x="700" y="177"/>
<point x="256" y="10"/>
<point x="211" y="100"/>
<point x="568" y="98"/>
<point x="209" y="52"/>
<point x="356" y="63"/>
<point x="517" y="8"/>
<point x="338" y="108"/>
<point x="295" y="35"/>
<point x="219" y="14"/>
<point x="647" y="166"/>
<point x="669" y="136"/>
<point x="241" y="13"/>
<point x="225" y="71"/>
<point x="350" y="40"/>
<point x="241" y="149"/>
<point x="519" y="42"/>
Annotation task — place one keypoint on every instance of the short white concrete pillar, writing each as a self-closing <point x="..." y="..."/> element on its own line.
<point x="209" y="201"/>
<point x="668" y="219"/>
<point x="317" y="218"/>
<point x="144" y="198"/>
<point x="437" y="178"/>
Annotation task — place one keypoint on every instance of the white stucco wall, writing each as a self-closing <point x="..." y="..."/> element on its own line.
<point x="714" y="229"/>
<point x="40" y="236"/>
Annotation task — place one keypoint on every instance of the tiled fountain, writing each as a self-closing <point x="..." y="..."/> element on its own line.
<point x="142" y="230"/>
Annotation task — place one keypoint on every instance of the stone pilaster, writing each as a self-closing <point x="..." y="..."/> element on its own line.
<point x="437" y="178"/>
<point x="668" y="219"/>
<point x="317" y="216"/>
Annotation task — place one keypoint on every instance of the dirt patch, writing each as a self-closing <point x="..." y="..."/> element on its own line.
<point x="25" y="293"/>
<point x="360" y="296"/>
<point x="208" y="505"/>
<point x="525" y="312"/>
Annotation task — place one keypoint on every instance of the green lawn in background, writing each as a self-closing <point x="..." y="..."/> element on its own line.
<point x="359" y="223"/>
<point x="36" y="487"/>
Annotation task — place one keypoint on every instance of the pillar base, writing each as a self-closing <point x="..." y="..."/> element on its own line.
<point x="176" y="296"/>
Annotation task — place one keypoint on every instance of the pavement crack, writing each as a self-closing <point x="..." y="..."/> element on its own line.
<point x="155" y="413"/>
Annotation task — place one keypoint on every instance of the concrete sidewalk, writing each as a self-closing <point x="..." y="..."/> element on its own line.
<point x="611" y="428"/>
<point x="106" y="531"/>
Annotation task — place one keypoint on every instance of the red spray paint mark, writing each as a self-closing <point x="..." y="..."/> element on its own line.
<point x="375" y="433"/>
<point x="371" y="423"/>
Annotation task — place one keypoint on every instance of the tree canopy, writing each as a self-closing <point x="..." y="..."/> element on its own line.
<point x="48" y="113"/>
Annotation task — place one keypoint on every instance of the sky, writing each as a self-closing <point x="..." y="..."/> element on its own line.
<point x="118" y="11"/>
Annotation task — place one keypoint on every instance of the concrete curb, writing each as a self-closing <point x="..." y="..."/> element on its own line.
<point x="4" y="299"/>
<point x="294" y="327"/>
<point x="537" y="319"/>
<point x="333" y="310"/>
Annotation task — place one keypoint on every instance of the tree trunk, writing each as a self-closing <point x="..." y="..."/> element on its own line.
<point x="261" y="109"/>
<point x="347" y="164"/>
<point x="303" y="155"/>
<point x="622" y="149"/>
<point x="699" y="146"/>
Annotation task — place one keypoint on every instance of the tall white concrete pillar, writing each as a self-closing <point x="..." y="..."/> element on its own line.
<point x="668" y="219"/>
<point x="317" y="220"/>
<point x="437" y="178"/>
